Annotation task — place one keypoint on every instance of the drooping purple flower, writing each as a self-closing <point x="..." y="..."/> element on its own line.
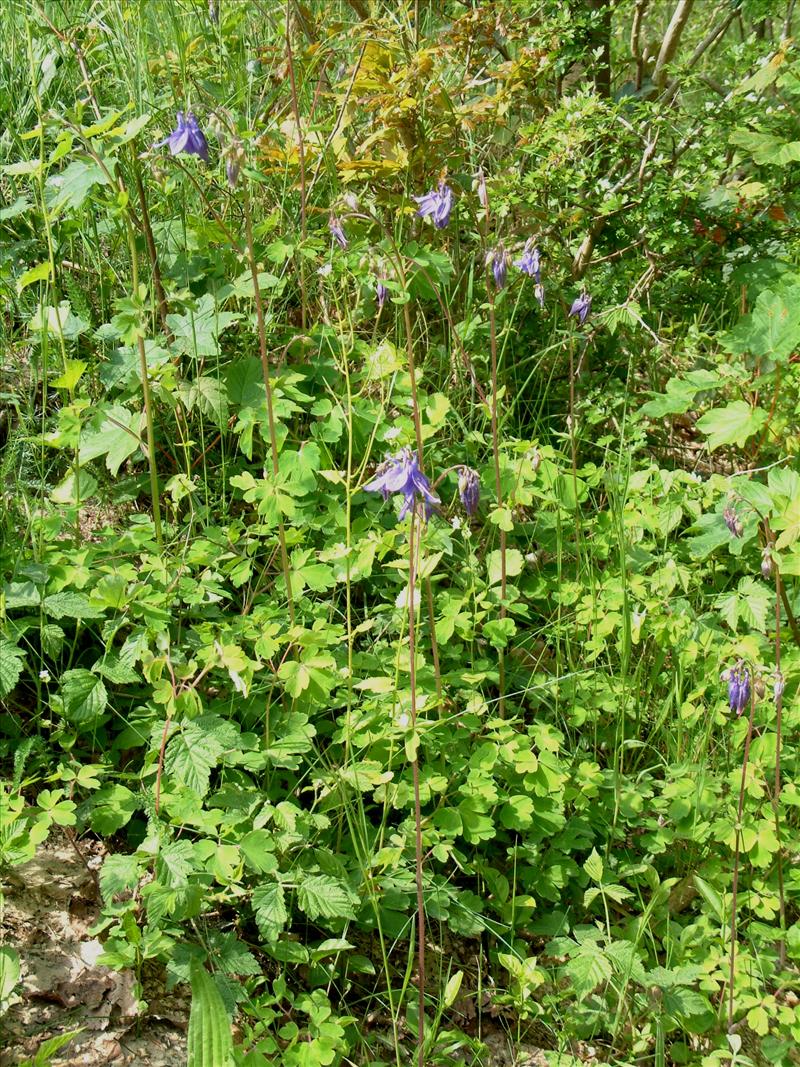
<point x="335" y="226"/>
<point x="187" y="137"/>
<point x="738" y="687"/>
<point x="438" y="203"/>
<point x="469" y="489"/>
<point x="732" y="521"/>
<point x="380" y="293"/>
<point x="530" y="262"/>
<point x="498" y="258"/>
<point x="401" y="474"/>
<point x="581" y="306"/>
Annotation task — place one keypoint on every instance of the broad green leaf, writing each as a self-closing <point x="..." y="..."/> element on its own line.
<point x="119" y="874"/>
<point x="114" y="432"/>
<point x="197" y="331"/>
<point x="191" y="754"/>
<point x="766" y="149"/>
<point x="734" y="424"/>
<point x="209" y="1041"/>
<point x="69" y="188"/>
<point x="9" y="976"/>
<point x="71" y="605"/>
<point x="322" y="897"/>
<point x="269" y="906"/>
<point x="594" y="866"/>
<point x="772" y="329"/>
<point x="208" y="395"/>
<point x="73" y="372"/>
<point x="11" y="659"/>
<point x="589" y="969"/>
<point x="84" y="696"/>
<point x="39" y="273"/>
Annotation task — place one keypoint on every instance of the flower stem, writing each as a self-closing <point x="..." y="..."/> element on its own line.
<point x="501" y="666"/>
<point x="412" y="549"/>
<point x="262" y="344"/>
<point x="736" y="858"/>
<point x="301" y="153"/>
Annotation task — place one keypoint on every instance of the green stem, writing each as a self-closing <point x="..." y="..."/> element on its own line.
<point x="262" y="344"/>
<point x="148" y="406"/>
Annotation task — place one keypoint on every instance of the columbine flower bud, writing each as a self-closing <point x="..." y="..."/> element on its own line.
<point x="498" y="259"/>
<point x="469" y="489"/>
<point x="732" y="521"/>
<point x="777" y="688"/>
<point x="766" y="561"/>
<point x="483" y="194"/>
<point x="352" y="201"/>
<point x="581" y="306"/>
<point x="335" y="226"/>
<point x="760" y="688"/>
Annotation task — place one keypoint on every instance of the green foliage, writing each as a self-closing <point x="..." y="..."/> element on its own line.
<point x="231" y="699"/>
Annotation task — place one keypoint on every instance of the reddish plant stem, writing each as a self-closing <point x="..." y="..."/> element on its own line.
<point x="412" y="549"/>
<point x="301" y="153"/>
<point x="501" y="666"/>
<point x="736" y="858"/>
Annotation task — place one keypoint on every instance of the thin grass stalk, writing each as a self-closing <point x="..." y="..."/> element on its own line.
<point x="736" y="859"/>
<point x="412" y="629"/>
<point x="262" y="345"/>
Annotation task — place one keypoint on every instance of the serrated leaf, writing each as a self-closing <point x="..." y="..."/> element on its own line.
<point x="196" y="332"/>
<point x="69" y="188"/>
<point x="589" y="969"/>
<point x="772" y="329"/>
<point x="119" y="874"/>
<point x="207" y="395"/>
<point x="191" y="754"/>
<point x="269" y="905"/>
<point x="322" y="897"/>
<point x="594" y="866"/>
<point x="71" y="605"/>
<point x="11" y="659"/>
<point x="209" y="1041"/>
<point x="83" y="695"/>
<point x="174" y="863"/>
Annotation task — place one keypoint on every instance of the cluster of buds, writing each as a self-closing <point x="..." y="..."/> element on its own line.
<point x="766" y="561"/>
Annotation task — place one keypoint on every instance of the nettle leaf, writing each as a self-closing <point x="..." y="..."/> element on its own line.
<point x="71" y="605"/>
<point x="323" y="897"/>
<point x="588" y="969"/>
<point x="11" y="659"/>
<point x="119" y="874"/>
<point x="83" y="695"/>
<point x="734" y="424"/>
<point x="174" y="863"/>
<point x="269" y="905"/>
<point x="190" y="757"/>
<point x="196" y="333"/>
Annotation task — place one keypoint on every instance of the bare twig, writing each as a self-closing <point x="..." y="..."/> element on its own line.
<point x="672" y="38"/>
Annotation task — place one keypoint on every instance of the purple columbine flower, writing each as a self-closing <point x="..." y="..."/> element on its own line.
<point x="499" y="262"/>
<point x="401" y="474"/>
<point x="380" y="293"/>
<point x="732" y="521"/>
<point x="335" y="226"/>
<point x="438" y="203"/>
<point x="187" y="137"/>
<point x="581" y="306"/>
<point x="738" y="687"/>
<point x="469" y="489"/>
<point x="530" y="262"/>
